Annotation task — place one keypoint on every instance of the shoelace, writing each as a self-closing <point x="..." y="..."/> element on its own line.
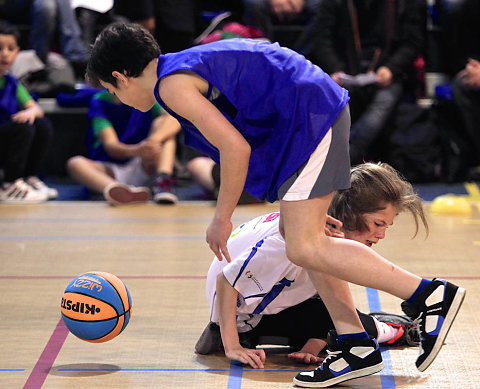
<point x="331" y="355"/>
<point x="417" y="322"/>
<point x="413" y="335"/>
<point x="166" y="184"/>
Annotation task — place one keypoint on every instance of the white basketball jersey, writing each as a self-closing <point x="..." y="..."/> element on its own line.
<point x="266" y="281"/>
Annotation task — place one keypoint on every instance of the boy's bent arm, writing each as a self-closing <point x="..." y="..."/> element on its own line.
<point x="183" y="94"/>
<point x="119" y="150"/>
<point x="164" y="127"/>
<point x="226" y="300"/>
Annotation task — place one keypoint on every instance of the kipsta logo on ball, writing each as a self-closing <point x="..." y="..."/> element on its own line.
<point x="96" y="306"/>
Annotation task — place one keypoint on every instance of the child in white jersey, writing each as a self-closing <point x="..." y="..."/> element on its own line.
<point x="265" y="294"/>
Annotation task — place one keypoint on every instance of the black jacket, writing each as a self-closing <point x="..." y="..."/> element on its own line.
<point x="397" y="30"/>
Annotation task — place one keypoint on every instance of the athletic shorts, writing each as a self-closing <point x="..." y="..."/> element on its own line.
<point x="130" y="173"/>
<point x="309" y="319"/>
<point x="327" y="169"/>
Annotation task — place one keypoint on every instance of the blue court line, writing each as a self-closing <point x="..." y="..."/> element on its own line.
<point x="235" y="376"/>
<point x="12" y="370"/>
<point x="113" y="220"/>
<point x="386" y="375"/>
<point x="101" y="238"/>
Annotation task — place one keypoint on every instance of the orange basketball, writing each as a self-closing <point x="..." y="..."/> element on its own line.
<point x="96" y="306"/>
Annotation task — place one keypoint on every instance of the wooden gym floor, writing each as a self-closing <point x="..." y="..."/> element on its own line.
<point x="159" y="252"/>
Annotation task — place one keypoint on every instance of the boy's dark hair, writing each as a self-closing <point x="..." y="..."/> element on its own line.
<point x="9" y="29"/>
<point x="125" y="47"/>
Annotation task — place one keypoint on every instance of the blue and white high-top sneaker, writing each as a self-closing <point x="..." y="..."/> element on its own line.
<point x="434" y="309"/>
<point x="353" y="359"/>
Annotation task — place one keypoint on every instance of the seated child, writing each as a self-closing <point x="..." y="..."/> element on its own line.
<point x="130" y="153"/>
<point x="25" y="133"/>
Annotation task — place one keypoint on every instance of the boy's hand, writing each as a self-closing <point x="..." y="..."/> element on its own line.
<point x="255" y="358"/>
<point x="218" y="233"/>
<point x="333" y="227"/>
<point x="309" y="352"/>
<point x="149" y="150"/>
<point x="25" y="116"/>
<point x="306" y="358"/>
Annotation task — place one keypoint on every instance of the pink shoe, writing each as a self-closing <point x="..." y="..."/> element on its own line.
<point x="120" y="194"/>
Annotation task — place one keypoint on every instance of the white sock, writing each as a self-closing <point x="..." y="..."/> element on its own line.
<point x="385" y="332"/>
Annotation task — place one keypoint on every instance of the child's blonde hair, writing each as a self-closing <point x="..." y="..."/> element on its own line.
<point x="373" y="187"/>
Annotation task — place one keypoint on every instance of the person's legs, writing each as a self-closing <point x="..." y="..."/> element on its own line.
<point x="163" y="189"/>
<point x="468" y="101"/>
<point x="43" y="14"/>
<point x="73" y="47"/>
<point x="373" y="120"/>
<point x="16" y="140"/>
<point x="200" y="168"/>
<point x="93" y="175"/>
<point x="43" y="135"/>
<point x="330" y="260"/>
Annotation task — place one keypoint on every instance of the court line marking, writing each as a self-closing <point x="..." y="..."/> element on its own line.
<point x="386" y="375"/>
<point x="40" y="372"/>
<point x="100" y="238"/>
<point x="235" y="376"/>
<point x="110" y="220"/>
<point x="174" y="277"/>
<point x="6" y="370"/>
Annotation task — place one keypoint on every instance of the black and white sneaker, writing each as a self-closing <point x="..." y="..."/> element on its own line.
<point x="210" y="341"/>
<point x="19" y="192"/>
<point x="355" y="358"/>
<point x="434" y="310"/>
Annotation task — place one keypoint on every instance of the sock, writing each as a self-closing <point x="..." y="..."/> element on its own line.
<point x="385" y="331"/>
<point x="423" y="284"/>
<point x="359" y="335"/>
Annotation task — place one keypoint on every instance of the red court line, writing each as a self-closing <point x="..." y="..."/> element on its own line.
<point x="45" y="362"/>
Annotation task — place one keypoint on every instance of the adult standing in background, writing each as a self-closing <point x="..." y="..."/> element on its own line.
<point x="377" y="37"/>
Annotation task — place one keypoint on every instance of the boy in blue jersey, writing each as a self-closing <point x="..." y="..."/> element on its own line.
<point x="279" y="127"/>
<point x="25" y="133"/>
<point x="130" y="153"/>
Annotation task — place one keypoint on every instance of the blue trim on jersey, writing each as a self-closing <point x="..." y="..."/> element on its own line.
<point x="252" y="253"/>
<point x="255" y="295"/>
<point x="273" y="294"/>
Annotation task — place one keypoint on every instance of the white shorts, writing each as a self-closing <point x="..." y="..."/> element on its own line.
<point x="130" y="173"/>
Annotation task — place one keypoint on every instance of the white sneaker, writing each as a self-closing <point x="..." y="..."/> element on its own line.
<point x="120" y="194"/>
<point x="21" y="193"/>
<point x="37" y="184"/>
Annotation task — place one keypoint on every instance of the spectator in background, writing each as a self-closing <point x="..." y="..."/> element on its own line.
<point x="265" y="14"/>
<point x="24" y="132"/>
<point x="377" y="38"/>
<point x="462" y="56"/>
<point x="171" y="22"/>
<point x="46" y="17"/>
<point x="129" y="153"/>
<point x="466" y="95"/>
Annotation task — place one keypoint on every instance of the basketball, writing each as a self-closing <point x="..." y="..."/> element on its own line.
<point x="96" y="306"/>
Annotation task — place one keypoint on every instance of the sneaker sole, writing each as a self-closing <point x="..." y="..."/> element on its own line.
<point x="345" y="377"/>
<point x="447" y="324"/>
<point x="120" y="195"/>
<point x="165" y="198"/>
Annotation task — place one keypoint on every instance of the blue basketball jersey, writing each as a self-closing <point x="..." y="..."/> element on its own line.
<point x="281" y="103"/>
